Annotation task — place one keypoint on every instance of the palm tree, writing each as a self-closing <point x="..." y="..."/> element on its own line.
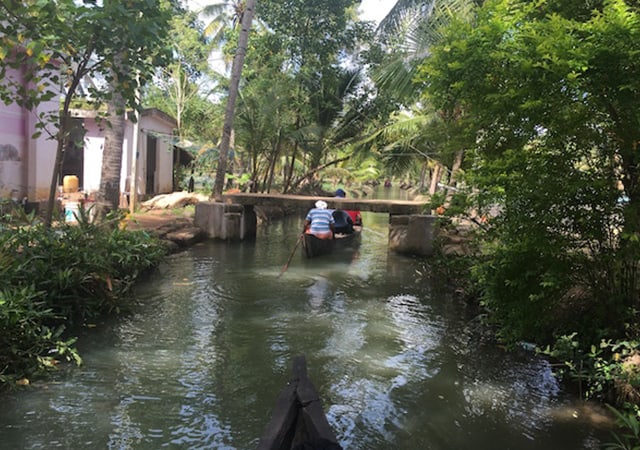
<point x="108" y="197"/>
<point x="410" y="30"/>
<point x="224" y="15"/>
<point x="188" y="76"/>
<point x="236" y="73"/>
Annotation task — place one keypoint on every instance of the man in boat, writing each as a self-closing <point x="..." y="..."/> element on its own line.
<point x="354" y="214"/>
<point x="344" y="223"/>
<point x="319" y="221"/>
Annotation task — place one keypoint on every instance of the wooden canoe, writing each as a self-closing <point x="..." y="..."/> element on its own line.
<point x="314" y="246"/>
<point x="298" y="420"/>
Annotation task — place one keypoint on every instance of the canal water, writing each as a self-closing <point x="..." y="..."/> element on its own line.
<point x="398" y="362"/>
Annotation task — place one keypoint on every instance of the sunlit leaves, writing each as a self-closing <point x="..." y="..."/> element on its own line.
<point x="549" y="91"/>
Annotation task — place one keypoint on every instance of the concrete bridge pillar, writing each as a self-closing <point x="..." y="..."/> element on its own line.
<point x="226" y="221"/>
<point x="412" y="234"/>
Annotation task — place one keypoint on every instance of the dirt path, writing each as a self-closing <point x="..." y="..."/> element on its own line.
<point x="156" y="219"/>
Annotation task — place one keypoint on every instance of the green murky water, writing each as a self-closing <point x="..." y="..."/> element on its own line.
<point x="200" y="362"/>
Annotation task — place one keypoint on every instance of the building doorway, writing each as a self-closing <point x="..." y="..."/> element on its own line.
<point x="73" y="163"/>
<point x="152" y="161"/>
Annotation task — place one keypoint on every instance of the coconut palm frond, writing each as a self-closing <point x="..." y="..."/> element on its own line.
<point x="414" y="26"/>
<point x="397" y="77"/>
<point x="337" y="172"/>
<point x="397" y="15"/>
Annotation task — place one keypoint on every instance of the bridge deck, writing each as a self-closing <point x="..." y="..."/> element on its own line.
<point x="303" y="201"/>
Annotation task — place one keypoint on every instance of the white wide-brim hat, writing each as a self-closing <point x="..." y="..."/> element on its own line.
<point x="320" y="204"/>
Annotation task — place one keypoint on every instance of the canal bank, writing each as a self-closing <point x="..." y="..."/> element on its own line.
<point x="175" y="226"/>
<point x="200" y="360"/>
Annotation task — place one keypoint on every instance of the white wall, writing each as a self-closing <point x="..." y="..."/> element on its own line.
<point x="149" y="121"/>
<point x="93" y="148"/>
<point x="161" y="126"/>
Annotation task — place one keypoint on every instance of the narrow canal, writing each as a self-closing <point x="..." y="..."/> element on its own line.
<point x="199" y="363"/>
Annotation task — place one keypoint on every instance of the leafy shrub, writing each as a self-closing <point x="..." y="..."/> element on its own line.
<point x="59" y="277"/>
<point x="629" y="436"/>
<point x="609" y="371"/>
<point x="519" y="284"/>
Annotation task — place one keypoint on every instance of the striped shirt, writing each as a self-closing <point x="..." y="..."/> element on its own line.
<point x="320" y="220"/>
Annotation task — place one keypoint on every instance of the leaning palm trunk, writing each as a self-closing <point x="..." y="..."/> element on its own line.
<point x="423" y="175"/>
<point x="236" y="72"/>
<point x="272" y="167"/>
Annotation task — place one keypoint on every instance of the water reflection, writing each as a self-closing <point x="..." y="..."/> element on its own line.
<point x="318" y="292"/>
<point x="398" y="364"/>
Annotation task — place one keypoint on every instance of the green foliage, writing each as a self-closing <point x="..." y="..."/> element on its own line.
<point x="518" y="282"/>
<point x="538" y="91"/>
<point x="66" y="40"/>
<point x="264" y="119"/>
<point x="555" y="236"/>
<point x="367" y="170"/>
<point x="297" y="90"/>
<point x="181" y="87"/>
<point x="62" y="276"/>
<point x="202" y="121"/>
<point x="24" y="338"/>
<point x="629" y="436"/>
<point x="47" y="49"/>
<point x="607" y="371"/>
<point x="313" y="32"/>
<point x="13" y="213"/>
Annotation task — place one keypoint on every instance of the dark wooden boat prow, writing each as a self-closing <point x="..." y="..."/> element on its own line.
<point x="298" y="421"/>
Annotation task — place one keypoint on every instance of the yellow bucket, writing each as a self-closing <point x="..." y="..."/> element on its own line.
<point x="70" y="184"/>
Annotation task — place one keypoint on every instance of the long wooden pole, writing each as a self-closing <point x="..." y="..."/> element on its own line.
<point x="295" y="247"/>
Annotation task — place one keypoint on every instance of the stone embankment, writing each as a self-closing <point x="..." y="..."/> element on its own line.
<point x="170" y="218"/>
<point x="174" y="227"/>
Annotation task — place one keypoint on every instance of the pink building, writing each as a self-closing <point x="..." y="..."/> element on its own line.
<point x="26" y="164"/>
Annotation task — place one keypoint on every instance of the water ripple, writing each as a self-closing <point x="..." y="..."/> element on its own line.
<point x="200" y="361"/>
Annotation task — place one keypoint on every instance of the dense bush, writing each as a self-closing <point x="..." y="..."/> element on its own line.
<point x="59" y="277"/>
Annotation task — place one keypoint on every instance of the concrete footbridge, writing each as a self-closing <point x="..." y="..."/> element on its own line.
<point x="304" y="201"/>
<point x="411" y="229"/>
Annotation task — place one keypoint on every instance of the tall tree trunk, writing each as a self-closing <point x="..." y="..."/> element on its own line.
<point x="236" y="73"/>
<point x="423" y="175"/>
<point x="108" y="196"/>
<point x="289" y="174"/>
<point x="455" y="168"/>
<point x="435" y="178"/>
<point x="62" y="138"/>
<point x="274" y="161"/>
